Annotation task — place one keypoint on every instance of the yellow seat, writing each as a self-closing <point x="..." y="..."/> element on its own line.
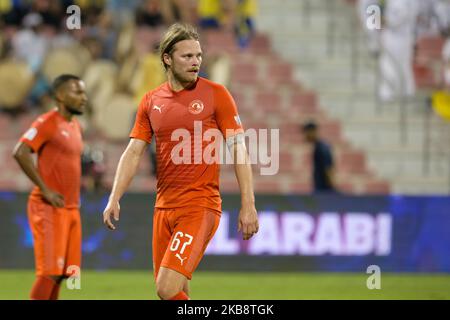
<point x="100" y="79"/>
<point x="16" y="81"/>
<point x="125" y="41"/>
<point x="62" y="61"/>
<point x="441" y="104"/>
<point x="116" y="117"/>
<point x="150" y="74"/>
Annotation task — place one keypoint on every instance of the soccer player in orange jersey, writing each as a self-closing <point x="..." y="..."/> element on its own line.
<point x="188" y="203"/>
<point x="53" y="205"/>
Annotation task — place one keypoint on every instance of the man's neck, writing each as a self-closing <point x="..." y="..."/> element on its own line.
<point x="65" y="113"/>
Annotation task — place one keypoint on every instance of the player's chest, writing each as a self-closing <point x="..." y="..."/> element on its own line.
<point x="67" y="139"/>
<point x="166" y="113"/>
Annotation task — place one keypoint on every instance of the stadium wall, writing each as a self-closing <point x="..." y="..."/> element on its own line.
<point x="297" y="233"/>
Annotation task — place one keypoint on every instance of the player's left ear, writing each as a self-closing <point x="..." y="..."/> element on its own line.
<point x="58" y="95"/>
<point x="167" y="59"/>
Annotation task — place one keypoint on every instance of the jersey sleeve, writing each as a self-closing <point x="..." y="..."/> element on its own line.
<point x="39" y="133"/>
<point x="226" y="112"/>
<point x="142" y="128"/>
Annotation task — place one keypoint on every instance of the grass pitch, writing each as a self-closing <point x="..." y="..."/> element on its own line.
<point x="113" y="285"/>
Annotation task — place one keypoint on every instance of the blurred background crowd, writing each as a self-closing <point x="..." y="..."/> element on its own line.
<point x="285" y="62"/>
<point x="115" y="51"/>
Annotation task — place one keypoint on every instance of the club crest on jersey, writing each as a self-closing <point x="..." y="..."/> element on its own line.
<point x="195" y="107"/>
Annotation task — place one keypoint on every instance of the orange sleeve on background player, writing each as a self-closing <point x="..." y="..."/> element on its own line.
<point x="39" y="133"/>
<point x="142" y="128"/>
<point x="227" y="116"/>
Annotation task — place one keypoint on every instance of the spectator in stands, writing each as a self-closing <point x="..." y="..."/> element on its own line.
<point x="12" y="12"/>
<point x="372" y="35"/>
<point x="94" y="46"/>
<point x="99" y="25"/>
<point x="50" y="11"/>
<point x="323" y="164"/>
<point x="149" y="14"/>
<point x="433" y="17"/>
<point x="397" y="45"/>
<point x="245" y="15"/>
<point x="229" y="15"/>
<point x="29" y="44"/>
<point x="215" y="14"/>
<point x="175" y="10"/>
<point x="122" y="12"/>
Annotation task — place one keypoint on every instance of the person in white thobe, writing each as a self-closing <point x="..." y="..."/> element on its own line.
<point x="397" y="49"/>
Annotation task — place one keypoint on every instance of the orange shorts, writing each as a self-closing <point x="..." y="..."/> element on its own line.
<point x="57" y="238"/>
<point x="180" y="237"/>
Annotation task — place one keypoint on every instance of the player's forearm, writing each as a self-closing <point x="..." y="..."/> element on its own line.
<point x="25" y="161"/>
<point x="244" y="175"/>
<point x="126" y="169"/>
<point x="245" y="179"/>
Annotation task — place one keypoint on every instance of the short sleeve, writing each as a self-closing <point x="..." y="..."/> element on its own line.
<point x="142" y="129"/>
<point x="226" y="112"/>
<point x="39" y="133"/>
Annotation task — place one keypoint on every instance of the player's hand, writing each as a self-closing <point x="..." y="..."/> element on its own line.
<point x="112" y="210"/>
<point x="54" y="198"/>
<point x="248" y="221"/>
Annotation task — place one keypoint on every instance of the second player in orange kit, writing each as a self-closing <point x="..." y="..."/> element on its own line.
<point x="53" y="205"/>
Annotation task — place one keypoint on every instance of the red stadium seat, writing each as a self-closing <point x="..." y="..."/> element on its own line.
<point x="425" y="77"/>
<point x="352" y="162"/>
<point x="279" y="73"/>
<point x="297" y="187"/>
<point x="346" y="187"/>
<point x="267" y="185"/>
<point x="245" y="73"/>
<point x="259" y="44"/>
<point x="331" y="131"/>
<point x="286" y="162"/>
<point x="429" y="49"/>
<point x="8" y="184"/>
<point x="268" y="101"/>
<point x="377" y="187"/>
<point x="304" y="100"/>
<point x="7" y="124"/>
<point x="219" y="42"/>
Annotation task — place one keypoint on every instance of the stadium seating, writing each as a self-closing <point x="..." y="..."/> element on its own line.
<point x="330" y="57"/>
<point x="266" y="91"/>
<point x="16" y="79"/>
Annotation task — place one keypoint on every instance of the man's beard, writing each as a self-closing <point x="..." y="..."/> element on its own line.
<point x="181" y="79"/>
<point x="74" y="111"/>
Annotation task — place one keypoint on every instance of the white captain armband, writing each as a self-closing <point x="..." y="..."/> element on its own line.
<point x="236" y="139"/>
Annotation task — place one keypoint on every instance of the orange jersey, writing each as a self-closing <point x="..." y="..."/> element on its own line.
<point x="162" y="111"/>
<point x="59" y="145"/>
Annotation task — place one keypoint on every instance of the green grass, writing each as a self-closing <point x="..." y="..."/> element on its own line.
<point x="16" y="284"/>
